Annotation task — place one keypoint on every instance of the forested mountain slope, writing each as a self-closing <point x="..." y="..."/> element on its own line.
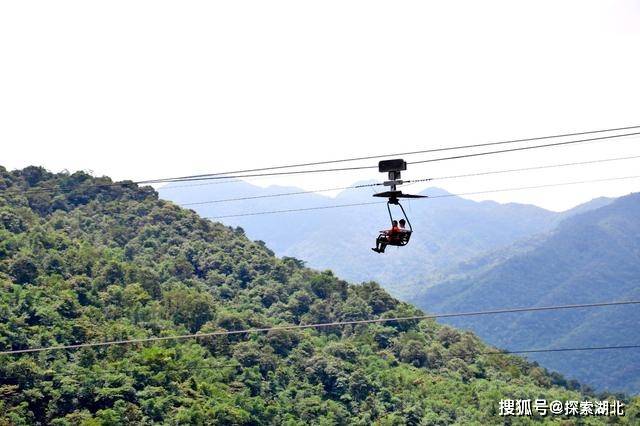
<point x="449" y="229"/>
<point x="591" y="257"/>
<point x="82" y="260"/>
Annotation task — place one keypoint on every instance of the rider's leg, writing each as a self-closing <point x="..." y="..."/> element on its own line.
<point x="378" y="241"/>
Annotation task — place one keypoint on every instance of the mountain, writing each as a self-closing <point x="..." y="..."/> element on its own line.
<point x="85" y="260"/>
<point x="449" y="229"/>
<point x="591" y="257"/>
<point x="596" y="203"/>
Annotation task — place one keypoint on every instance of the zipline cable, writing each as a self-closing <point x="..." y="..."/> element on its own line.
<point x="282" y="194"/>
<point x="412" y="181"/>
<point x="141" y="368"/>
<point x="491" y="191"/>
<point x="588" y="348"/>
<point x="525" y="169"/>
<point x="320" y="325"/>
<point x="371" y="157"/>
<point x="220" y="176"/>
<point x="215" y="176"/>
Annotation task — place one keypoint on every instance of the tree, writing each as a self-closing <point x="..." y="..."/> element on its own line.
<point x="24" y="269"/>
<point x="413" y="352"/>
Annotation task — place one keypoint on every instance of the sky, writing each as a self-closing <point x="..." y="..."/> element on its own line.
<point x="150" y="89"/>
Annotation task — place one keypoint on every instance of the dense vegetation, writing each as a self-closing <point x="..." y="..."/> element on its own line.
<point x="83" y="260"/>
<point x="591" y="257"/>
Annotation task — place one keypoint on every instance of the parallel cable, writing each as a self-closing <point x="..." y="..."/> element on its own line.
<point x="192" y="185"/>
<point x="371" y="157"/>
<point x="282" y="194"/>
<point x="431" y="160"/>
<point x="550" y="185"/>
<point x="320" y="325"/>
<point x="588" y="348"/>
<point x="524" y="169"/>
<point x="238" y="364"/>
<point x="334" y="206"/>
<point x="412" y="181"/>
<point x="222" y="176"/>
<point x="303" y="209"/>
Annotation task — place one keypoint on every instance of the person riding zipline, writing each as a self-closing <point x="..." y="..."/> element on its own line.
<point x="398" y="235"/>
<point x="387" y="236"/>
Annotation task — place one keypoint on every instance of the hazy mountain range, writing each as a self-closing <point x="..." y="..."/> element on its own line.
<point x="448" y="230"/>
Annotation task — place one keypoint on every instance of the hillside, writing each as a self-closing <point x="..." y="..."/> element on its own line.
<point x="449" y="230"/>
<point x="83" y="260"/>
<point x="591" y="257"/>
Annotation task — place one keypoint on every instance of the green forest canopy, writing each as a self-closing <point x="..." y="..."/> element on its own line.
<point x="84" y="260"/>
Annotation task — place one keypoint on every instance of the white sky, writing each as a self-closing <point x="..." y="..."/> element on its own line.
<point x="147" y="89"/>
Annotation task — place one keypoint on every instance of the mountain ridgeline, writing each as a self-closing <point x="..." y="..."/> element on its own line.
<point x="591" y="257"/>
<point x="86" y="260"/>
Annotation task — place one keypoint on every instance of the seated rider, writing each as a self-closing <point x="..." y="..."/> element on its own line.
<point x="402" y="224"/>
<point x="386" y="236"/>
